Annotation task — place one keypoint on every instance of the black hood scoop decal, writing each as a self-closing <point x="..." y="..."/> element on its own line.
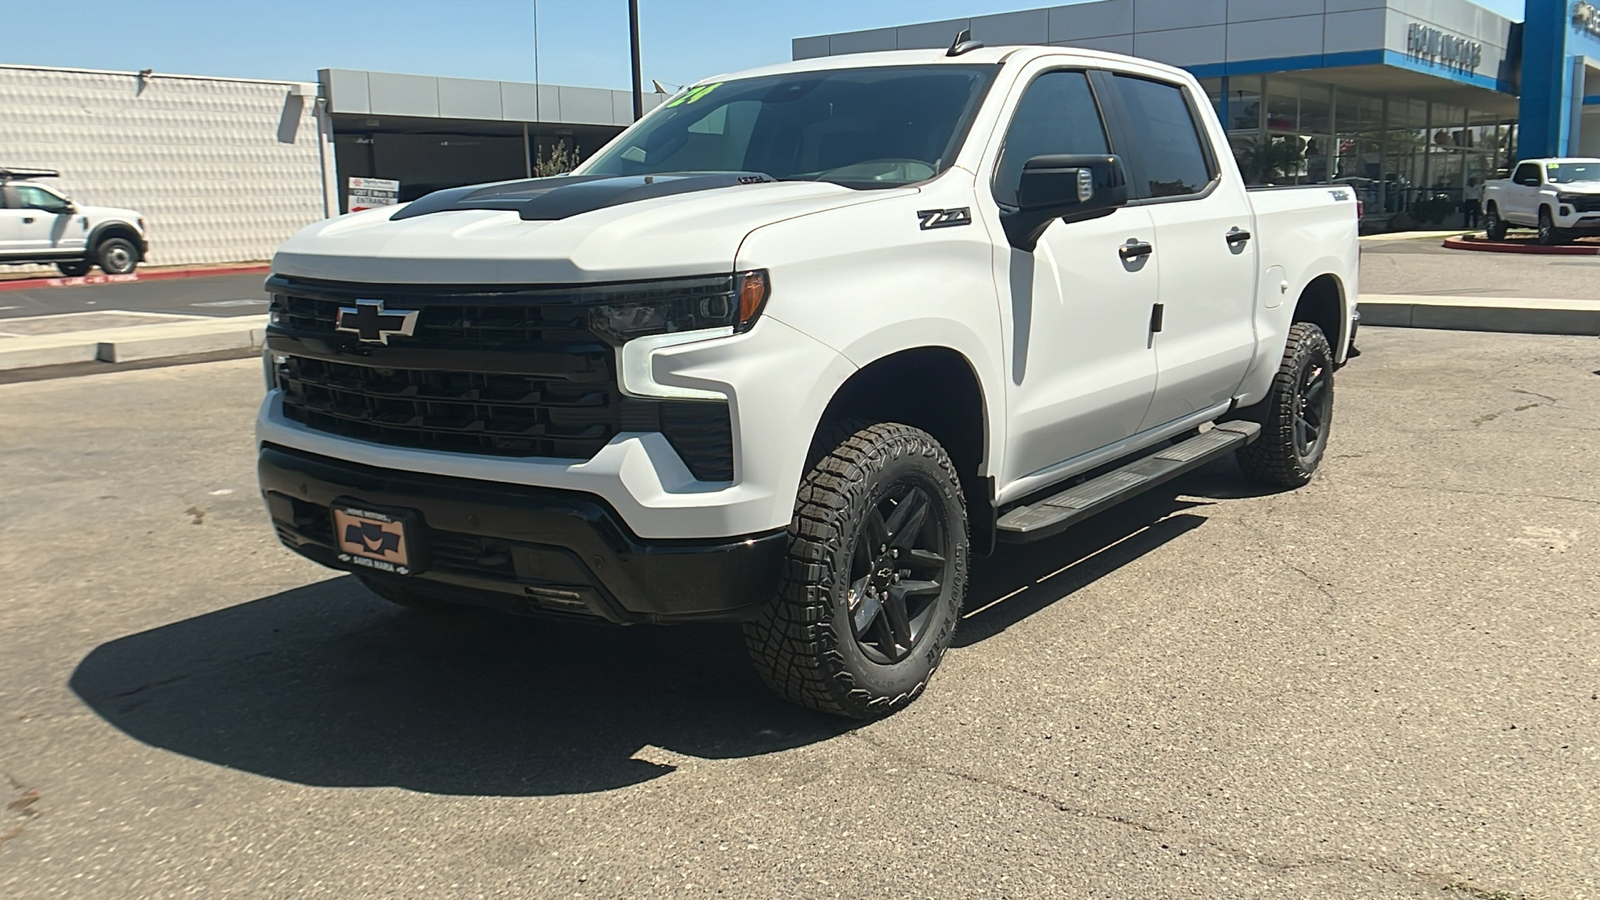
<point x="564" y="196"/>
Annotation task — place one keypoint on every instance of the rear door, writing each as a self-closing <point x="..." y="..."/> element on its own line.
<point x="1204" y="330"/>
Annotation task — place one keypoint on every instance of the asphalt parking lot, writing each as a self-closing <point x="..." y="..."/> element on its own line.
<point x="1384" y="685"/>
<point x="210" y="295"/>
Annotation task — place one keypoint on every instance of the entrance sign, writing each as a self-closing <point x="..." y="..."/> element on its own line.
<point x="1447" y="50"/>
<point x="370" y="193"/>
<point x="1586" y="17"/>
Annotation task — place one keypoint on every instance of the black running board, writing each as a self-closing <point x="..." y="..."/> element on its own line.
<point x="1053" y="515"/>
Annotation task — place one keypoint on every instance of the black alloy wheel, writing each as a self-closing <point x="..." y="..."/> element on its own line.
<point x="876" y="574"/>
<point x="897" y="574"/>
<point x="1297" y="414"/>
<point x="1313" y="409"/>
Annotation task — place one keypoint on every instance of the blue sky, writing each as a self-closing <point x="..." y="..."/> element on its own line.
<point x="581" y="42"/>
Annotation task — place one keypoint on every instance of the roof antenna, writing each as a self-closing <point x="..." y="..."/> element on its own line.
<point x="963" y="44"/>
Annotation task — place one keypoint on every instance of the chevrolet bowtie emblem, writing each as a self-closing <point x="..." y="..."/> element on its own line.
<point x="373" y="324"/>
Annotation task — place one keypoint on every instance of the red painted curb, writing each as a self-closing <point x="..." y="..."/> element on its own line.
<point x="82" y="280"/>
<point x="1533" y="249"/>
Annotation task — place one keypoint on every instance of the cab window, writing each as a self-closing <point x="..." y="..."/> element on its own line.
<point x="1527" y="174"/>
<point x="30" y="197"/>
<point x="1057" y="115"/>
<point x="1164" y="155"/>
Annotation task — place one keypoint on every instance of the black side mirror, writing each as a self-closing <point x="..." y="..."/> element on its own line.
<point x="1073" y="188"/>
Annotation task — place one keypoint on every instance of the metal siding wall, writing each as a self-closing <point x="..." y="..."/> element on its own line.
<point x="223" y="171"/>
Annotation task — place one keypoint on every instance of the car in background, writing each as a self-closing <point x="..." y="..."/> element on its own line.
<point x="1558" y="197"/>
<point x="40" y="225"/>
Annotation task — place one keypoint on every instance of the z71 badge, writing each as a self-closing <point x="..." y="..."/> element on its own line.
<point x="944" y="218"/>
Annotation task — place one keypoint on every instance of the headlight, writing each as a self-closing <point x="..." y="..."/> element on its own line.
<point x="1571" y="198"/>
<point x="735" y="302"/>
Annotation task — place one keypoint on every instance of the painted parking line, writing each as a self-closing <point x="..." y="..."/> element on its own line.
<point x="242" y="302"/>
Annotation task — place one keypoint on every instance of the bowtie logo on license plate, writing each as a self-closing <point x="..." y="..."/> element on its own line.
<point x="369" y="321"/>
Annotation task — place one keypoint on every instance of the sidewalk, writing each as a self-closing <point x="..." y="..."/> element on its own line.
<point x="123" y="336"/>
<point x="1505" y="314"/>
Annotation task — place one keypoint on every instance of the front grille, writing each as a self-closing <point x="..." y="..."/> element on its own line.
<point x="1587" y="204"/>
<point x="525" y="375"/>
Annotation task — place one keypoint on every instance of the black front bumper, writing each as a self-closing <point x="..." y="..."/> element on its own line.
<point x="523" y="549"/>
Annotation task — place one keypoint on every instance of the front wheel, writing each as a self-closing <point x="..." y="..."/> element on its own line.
<point x="875" y="577"/>
<point x="1494" y="226"/>
<point x="1549" y="234"/>
<point x="1298" y="413"/>
<point x="117" y="256"/>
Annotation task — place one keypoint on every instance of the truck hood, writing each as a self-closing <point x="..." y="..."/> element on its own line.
<point x="98" y="214"/>
<point x="628" y="229"/>
<point x="1578" y="187"/>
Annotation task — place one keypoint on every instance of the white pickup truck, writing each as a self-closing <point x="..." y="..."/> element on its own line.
<point x="794" y="348"/>
<point x="39" y="225"/>
<point x="1559" y="197"/>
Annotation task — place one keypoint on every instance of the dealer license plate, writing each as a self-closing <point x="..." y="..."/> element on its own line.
<point x="372" y="539"/>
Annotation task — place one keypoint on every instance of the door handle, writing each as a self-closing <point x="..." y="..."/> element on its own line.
<point x="1135" y="249"/>
<point x="1237" y="236"/>
<point x="27" y="220"/>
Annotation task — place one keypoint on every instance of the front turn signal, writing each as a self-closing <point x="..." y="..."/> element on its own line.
<point x="754" y="288"/>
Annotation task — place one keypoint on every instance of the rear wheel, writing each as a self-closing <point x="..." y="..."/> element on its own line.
<point x="1298" y="413"/>
<point x="1549" y="234"/>
<point x="875" y="577"/>
<point x="117" y="256"/>
<point x="1494" y="226"/>
<point x="75" y="268"/>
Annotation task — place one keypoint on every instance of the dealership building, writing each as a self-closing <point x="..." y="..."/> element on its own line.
<point x="1406" y="100"/>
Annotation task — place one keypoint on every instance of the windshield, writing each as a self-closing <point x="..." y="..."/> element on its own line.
<point x="863" y="128"/>
<point x="1567" y="173"/>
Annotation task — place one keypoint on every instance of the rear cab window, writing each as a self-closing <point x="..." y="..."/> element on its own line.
<point x="1159" y="137"/>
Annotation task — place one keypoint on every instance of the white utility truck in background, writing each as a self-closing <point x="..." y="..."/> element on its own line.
<point x="39" y="225"/>
<point x="1558" y="197"/>
<point x="795" y="347"/>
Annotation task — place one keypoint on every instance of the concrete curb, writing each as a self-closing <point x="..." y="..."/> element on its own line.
<point x="1502" y="314"/>
<point x="135" y="342"/>
<point x="1483" y="246"/>
<point x="22" y="284"/>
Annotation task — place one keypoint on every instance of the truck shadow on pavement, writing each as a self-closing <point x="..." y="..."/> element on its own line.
<point x="327" y="685"/>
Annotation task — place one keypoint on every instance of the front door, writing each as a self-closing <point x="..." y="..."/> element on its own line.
<point x="46" y="221"/>
<point x="1204" y="251"/>
<point x="1080" y="366"/>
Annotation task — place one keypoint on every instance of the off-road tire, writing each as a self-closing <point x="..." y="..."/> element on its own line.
<point x="1494" y="227"/>
<point x="1549" y="234"/>
<point x="1277" y="457"/>
<point x="411" y="600"/>
<point x="804" y="645"/>
<point x="75" y="267"/>
<point x="117" y="256"/>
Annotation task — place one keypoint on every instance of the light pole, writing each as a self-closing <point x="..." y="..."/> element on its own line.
<point x="638" y="75"/>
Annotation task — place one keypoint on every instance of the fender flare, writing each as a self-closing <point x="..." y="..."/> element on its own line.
<point x="92" y="243"/>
